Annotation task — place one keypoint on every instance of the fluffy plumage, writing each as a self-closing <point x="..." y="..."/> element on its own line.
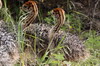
<point x="8" y="46"/>
<point x="73" y="47"/>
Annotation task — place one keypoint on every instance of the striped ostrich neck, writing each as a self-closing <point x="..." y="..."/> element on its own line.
<point x="60" y="19"/>
<point x="32" y="9"/>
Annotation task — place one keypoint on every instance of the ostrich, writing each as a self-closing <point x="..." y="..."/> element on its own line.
<point x="73" y="47"/>
<point x="8" y="46"/>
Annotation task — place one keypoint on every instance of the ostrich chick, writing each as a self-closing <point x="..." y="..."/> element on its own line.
<point x="8" y="46"/>
<point x="73" y="47"/>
